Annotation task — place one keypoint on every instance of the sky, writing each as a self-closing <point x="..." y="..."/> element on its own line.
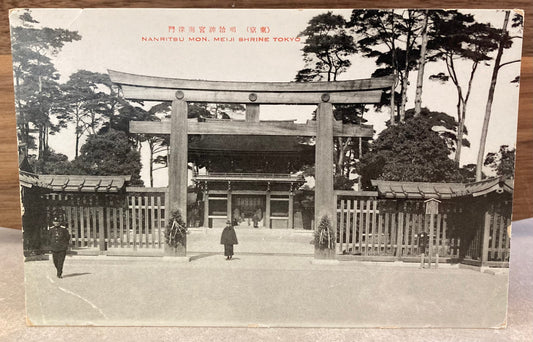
<point x="123" y="40"/>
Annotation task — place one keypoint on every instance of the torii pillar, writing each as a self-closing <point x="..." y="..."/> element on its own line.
<point x="324" y="194"/>
<point x="177" y="163"/>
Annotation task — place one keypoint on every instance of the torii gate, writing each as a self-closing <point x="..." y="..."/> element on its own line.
<point x="252" y="94"/>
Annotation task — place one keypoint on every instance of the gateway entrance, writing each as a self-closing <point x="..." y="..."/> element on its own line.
<point x="248" y="210"/>
<point x="252" y="94"/>
<point x="255" y="200"/>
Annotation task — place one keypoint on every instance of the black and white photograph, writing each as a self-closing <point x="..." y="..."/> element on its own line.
<point x="344" y="168"/>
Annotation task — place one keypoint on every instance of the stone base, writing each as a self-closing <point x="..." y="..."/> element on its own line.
<point x="329" y="254"/>
<point x="38" y="257"/>
<point x="180" y="251"/>
<point x="325" y="257"/>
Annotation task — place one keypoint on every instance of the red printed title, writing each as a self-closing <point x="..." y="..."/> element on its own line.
<point x="222" y="34"/>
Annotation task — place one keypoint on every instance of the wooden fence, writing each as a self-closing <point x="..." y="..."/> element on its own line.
<point x="498" y="244"/>
<point x="132" y="220"/>
<point x="146" y="218"/>
<point x="367" y="226"/>
<point x="491" y="244"/>
<point x="473" y="230"/>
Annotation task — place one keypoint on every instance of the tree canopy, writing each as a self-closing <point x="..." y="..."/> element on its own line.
<point x="36" y="79"/>
<point x="390" y="36"/>
<point x="458" y="37"/>
<point x="109" y="154"/>
<point x="410" y="151"/>
<point x="502" y="162"/>
<point x="327" y="48"/>
<point x="86" y="103"/>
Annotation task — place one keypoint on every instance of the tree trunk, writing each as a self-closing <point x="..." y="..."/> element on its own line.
<point x="347" y="168"/>
<point x="359" y="182"/>
<point x="403" y="95"/>
<point x="340" y="156"/>
<point x="460" y="133"/>
<point x="395" y="71"/>
<point x="41" y="130"/>
<point x="41" y="143"/>
<point x="151" y="147"/>
<point x="77" y="131"/>
<point x="21" y="119"/>
<point x="405" y="81"/>
<point x="463" y="101"/>
<point x="77" y="146"/>
<point x="488" y="108"/>
<point x="46" y="135"/>
<point x="420" y="76"/>
<point x="392" y="105"/>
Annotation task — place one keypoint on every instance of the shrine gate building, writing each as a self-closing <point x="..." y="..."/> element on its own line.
<point x="250" y="190"/>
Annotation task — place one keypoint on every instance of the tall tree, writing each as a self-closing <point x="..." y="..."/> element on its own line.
<point x="445" y="125"/>
<point x="110" y="154"/>
<point x="54" y="164"/>
<point x="36" y="79"/>
<point x="86" y="103"/>
<point x="348" y="151"/>
<point x="327" y="48"/>
<point x="502" y="162"/>
<point x="504" y="42"/>
<point x="390" y="36"/>
<point x="457" y="37"/>
<point x="410" y="151"/>
<point x="157" y="143"/>
<point x="421" y="64"/>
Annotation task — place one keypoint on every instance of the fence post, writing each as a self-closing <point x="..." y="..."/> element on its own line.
<point x="291" y="210"/>
<point x="432" y="209"/>
<point x="399" y="240"/>
<point x="486" y="234"/>
<point x="206" y="209"/>
<point x="101" y="229"/>
<point x="166" y="217"/>
<point x="431" y="235"/>
<point x="341" y="223"/>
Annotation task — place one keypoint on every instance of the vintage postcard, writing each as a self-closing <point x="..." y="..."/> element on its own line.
<point x="266" y="168"/>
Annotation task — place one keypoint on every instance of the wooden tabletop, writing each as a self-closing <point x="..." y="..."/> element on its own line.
<point x="9" y="190"/>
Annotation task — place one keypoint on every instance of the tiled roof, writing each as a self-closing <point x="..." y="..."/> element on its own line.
<point x="419" y="190"/>
<point x="498" y="184"/>
<point x="244" y="143"/>
<point x="29" y="180"/>
<point x="84" y="183"/>
<point x="422" y="190"/>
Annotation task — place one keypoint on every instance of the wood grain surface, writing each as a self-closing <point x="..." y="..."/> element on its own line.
<point x="9" y="193"/>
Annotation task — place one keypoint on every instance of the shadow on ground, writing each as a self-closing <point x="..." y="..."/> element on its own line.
<point x="75" y="274"/>
<point x="203" y="255"/>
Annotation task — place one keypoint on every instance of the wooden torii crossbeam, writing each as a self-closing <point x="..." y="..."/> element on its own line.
<point x="252" y="94"/>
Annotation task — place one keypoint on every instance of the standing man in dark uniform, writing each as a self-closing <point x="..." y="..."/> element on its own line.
<point x="59" y="242"/>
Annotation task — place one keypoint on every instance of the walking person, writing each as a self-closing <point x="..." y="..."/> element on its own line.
<point x="59" y="242"/>
<point x="228" y="239"/>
